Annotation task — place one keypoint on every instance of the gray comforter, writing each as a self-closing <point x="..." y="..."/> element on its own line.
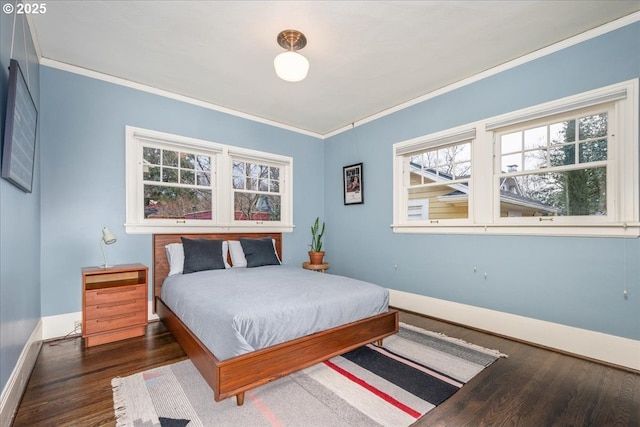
<point x="238" y="310"/>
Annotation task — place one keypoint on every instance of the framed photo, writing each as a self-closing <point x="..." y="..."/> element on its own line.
<point x="19" y="147"/>
<point x="353" y="186"/>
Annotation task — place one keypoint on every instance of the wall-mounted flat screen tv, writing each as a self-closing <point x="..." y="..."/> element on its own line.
<point x="19" y="147"/>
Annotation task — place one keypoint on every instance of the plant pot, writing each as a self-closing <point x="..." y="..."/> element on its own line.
<point x="315" y="258"/>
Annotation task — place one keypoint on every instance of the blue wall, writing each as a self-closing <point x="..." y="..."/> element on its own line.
<point x="572" y="281"/>
<point x="83" y="177"/>
<point x="19" y="215"/>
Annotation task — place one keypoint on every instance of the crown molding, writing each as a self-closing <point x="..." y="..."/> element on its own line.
<point x="572" y="41"/>
<point x="587" y="35"/>
<point x="167" y="94"/>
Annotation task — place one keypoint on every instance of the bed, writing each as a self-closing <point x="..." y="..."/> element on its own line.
<point x="232" y="375"/>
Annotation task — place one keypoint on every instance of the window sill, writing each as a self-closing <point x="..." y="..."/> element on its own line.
<point x="206" y="228"/>
<point x="627" y="230"/>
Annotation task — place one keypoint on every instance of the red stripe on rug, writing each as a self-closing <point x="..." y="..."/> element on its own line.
<point x="381" y="394"/>
<point x="264" y="409"/>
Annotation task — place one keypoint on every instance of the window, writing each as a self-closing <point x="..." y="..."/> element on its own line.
<point x="436" y="176"/>
<point x="556" y="168"/>
<point x="178" y="184"/>
<point x="568" y="167"/>
<point x="256" y="191"/>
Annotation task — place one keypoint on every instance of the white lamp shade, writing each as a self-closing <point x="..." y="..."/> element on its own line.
<point x="107" y="236"/>
<point x="291" y="66"/>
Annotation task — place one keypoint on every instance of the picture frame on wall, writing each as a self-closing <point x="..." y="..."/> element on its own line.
<point x="353" y="184"/>
<point x="21" y="123"/>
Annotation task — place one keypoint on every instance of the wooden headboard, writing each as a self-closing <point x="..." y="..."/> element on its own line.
<point x="161" y="264"/>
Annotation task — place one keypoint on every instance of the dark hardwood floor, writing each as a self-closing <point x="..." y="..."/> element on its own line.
<point x="71" y="385"/>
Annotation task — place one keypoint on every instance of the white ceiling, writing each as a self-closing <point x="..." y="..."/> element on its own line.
<point x="366" y="56"/>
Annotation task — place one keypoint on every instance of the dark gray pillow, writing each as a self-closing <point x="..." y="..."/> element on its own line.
<point x="202" y="254"/>
<point x="259" y="252"/>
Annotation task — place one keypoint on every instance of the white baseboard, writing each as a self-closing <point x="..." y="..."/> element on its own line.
<point x="61" y="325"/>
<point x="14" y="388"/>
<point x="594" y="345"/>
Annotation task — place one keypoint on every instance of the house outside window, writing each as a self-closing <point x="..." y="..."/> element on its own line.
<point x="567" y="167"/>
<point x="437" y="174"/>
<point x="179" y="184"/>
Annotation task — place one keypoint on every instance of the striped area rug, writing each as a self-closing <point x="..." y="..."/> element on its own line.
<point x="393" y="385"/>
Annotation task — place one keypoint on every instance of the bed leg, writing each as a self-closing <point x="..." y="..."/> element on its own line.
<point x="240" y="399"/>
<point x="379" y="343"/>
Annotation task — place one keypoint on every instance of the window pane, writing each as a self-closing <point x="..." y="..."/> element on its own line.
<point x="274" y="173"/>
<point x="274" y="187"/>
<point x="151" y="155"/>
<point x="593" y="126"/>
<point x="511" y="163"/>
<point x="203" y="163"/>
<point x="535" y="138"/>
<point x="169" y="175"/>
<point x="439" y="202"/>
<point x="568" y="193"/>
<point x="170" y="158"/>
<point x="444" y="171"/>
<point x="263" y="184"/>
<point x="562" y="132"/>
<point x="256" y="207"/>
<point x="187" y="177"/>
<point x="563" y="155"/>
<point x="535" y="159"/>
<point x="151" y="173"/>
<point x="253" y="170"/>
<point x="161" y="201"/>
<point x="238" y="168"/>
<point x="187" y="161"/>
<point x="511" y="142"/>
<point x="463" y="152"/>
<point x="238" y="182"/>
<point x="252" y="184"/>
<point x="593" y="151"/>
<point x="454" y="160"/>
<point x="461" y="170"/>
<point x="204" y="178"/>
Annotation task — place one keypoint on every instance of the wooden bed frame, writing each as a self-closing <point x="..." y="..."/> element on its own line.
<point x="234" y="376"/>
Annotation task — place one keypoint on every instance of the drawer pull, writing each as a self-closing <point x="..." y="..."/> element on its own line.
<point x="115" y="304"/>
<point x="115" y="291"/>
<point x="110" y="319"/>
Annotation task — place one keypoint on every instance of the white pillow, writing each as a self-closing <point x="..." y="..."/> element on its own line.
<point x="175" y="256"/>
<point x="237" y="254"/>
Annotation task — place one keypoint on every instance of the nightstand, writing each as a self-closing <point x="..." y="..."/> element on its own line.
<point x="316" y="267"/>
<point x="114" y="303"/>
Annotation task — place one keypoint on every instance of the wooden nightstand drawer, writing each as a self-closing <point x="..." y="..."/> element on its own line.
<point x="110" y="295"/>
<point x="106" y="324"/>
<point x="114" y="303"/>
<point x="109" y="309"/>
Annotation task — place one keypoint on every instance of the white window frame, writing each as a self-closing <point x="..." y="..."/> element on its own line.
<point x="623" y="217"/>
<point x="222" y="213"/>
<point x="402" y="154"/>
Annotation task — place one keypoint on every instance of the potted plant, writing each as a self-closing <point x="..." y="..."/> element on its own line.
<point x="316" y="254"/>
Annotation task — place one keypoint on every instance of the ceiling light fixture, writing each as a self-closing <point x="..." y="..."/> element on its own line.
<point x="290" y="65"/>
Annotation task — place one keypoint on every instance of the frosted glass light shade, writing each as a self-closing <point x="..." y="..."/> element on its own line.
<point x="291" y="66"/>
